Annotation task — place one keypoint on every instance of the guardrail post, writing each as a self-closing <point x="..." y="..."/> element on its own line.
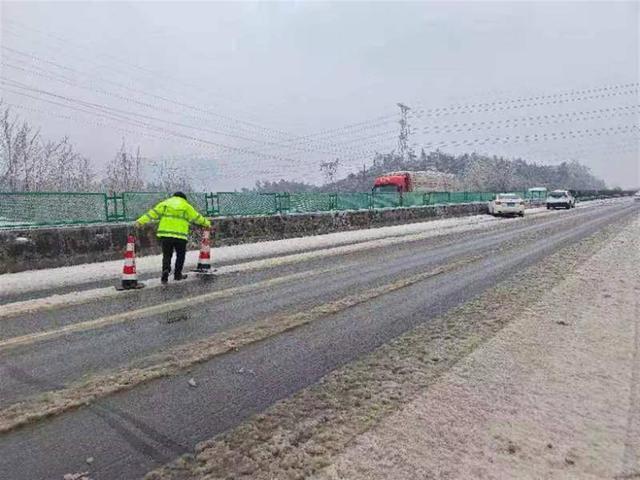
<point x="212" y="204"/>
<point x="113" y="214"/>
<point x="333" y="201"/>
<point x="106" y="207"/>
<point x="283" y="202"/>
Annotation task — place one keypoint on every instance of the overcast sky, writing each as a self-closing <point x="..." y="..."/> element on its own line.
<point x="243" y="91"/>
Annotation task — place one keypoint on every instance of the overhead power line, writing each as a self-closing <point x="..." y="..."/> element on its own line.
<point x="533" y="101"/>
<point x="286" y="137"/>
<point x="133" y="115"/>
<point x="549" y="119"/>
<point x="124" y="116"/>
<point x="293" y="143"/>
<point x="538" y="137"/>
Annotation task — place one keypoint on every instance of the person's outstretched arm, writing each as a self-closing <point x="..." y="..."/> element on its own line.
<point x="153" y="215"/>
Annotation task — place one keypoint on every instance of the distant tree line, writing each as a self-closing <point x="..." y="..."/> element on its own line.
<point x="475" y="173"/>
<point x="30" y="163"/>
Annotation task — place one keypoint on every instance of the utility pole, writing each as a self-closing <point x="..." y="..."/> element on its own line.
<point x="405" y="130"/>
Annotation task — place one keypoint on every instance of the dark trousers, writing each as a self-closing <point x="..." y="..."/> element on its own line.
<point x="168" y="246"/>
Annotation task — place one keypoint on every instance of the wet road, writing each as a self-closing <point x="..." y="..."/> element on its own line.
<point x="135" y="430"/>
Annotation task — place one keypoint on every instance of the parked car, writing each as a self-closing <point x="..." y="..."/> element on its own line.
<point x="636" y="196"/>
<point x="560" y="199"/>
<point x="507" y="204"/>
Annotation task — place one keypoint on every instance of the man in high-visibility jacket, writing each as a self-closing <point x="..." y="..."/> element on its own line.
<point x="175" y="214"/>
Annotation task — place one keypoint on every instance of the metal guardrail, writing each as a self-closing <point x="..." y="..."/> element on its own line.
<point x="22" y="209"/>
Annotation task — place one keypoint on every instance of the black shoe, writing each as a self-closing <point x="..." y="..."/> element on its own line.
<point x="165" y="277"/>
<point x="179" y="277"/>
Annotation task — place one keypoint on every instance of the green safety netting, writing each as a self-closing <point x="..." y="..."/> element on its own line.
<point x="44" y="208"/>
<point x="457" y="197"/>
<point x="413" y="199"/>
<point x="438" y="197"/>
<point x="352" y="201"/>
<point x="385" y="200"/>
<point x="246" y="203"/>
<point x="137" y="203"/>
<point x="54" y="208"/>
<point x="310" y="202"/>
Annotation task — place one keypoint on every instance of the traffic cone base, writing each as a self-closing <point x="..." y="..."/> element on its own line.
<point x="130" y="285"/>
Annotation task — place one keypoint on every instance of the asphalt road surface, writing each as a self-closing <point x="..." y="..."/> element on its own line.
<point x="135" y="430"/>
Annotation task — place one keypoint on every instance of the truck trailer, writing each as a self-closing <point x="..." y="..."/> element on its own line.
<point x="419" y="181"/>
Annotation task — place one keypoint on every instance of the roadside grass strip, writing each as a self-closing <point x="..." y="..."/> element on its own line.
<point x="182" y="357"/>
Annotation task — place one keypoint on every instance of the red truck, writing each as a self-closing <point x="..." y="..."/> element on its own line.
<point x="421" y="181"/>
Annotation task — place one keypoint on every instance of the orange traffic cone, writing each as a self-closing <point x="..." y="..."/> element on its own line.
<point x="129" y="275"/>
<point x="204" y="259"/>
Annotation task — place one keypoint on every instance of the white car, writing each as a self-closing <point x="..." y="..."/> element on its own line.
<point x="560" y="199"/>
<point x="636" y="197"/>
<point x="507" y="204"/>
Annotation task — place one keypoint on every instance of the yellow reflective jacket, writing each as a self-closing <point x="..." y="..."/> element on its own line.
<point x="175" y="215"/>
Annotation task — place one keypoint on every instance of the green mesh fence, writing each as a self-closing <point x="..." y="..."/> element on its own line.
<point x="310" y="202"/>
<point x="247" y="203"/>
<point x="457" y="197"/>
<point x="199" y="201"/>
<point x="385" y="200"/>
<point x="438" y="197"/>
<point x="413" y="199"/>
<point x="53" y="208"/>
<point x="137" y="203"/>
<point x="44" y="208"/>
<point x="352" y="201"/>
<point x="487" y="196"/>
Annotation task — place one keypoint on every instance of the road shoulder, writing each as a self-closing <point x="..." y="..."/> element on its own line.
<point x="555" y="394"/>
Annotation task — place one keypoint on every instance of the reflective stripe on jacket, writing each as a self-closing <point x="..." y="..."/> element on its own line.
<point x="175" y="215"/>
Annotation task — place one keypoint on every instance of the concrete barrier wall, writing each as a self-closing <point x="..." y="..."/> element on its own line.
<point x="37" y="248"/>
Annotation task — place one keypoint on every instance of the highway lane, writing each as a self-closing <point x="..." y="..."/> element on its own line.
<point x="61" y="359"/>
<point x="135" y="430"/>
